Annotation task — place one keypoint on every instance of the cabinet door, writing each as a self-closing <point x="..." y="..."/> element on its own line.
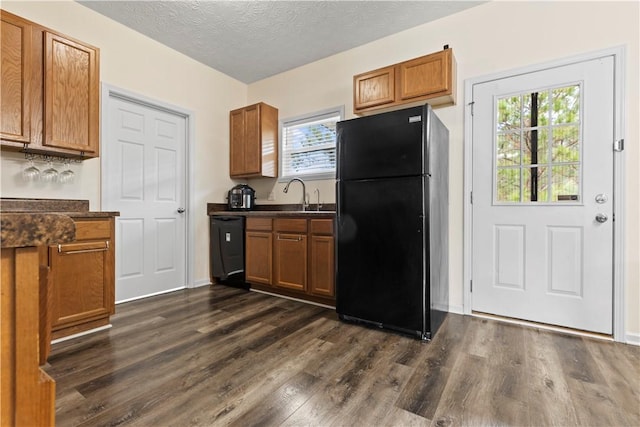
<point x="236" y="142"/>
<point x="252" y="142"/>
<point x="15" y="122"/>
<point x="79" y="273"/>
<point x="71" y="94"/>
<point x="374" y="88"/>
<point x="245" y="144"/>
<point x="258" y="262"/>
<point x="322" y="266"/>
<point x="291" y="261"/>
<point x="427" y="75"/>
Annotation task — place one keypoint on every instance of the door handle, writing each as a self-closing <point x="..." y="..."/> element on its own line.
<point x="601" y="218"/>
<point x="290" y="239"/>
<point x="180" y="210"/>
<point x="601" y="198"/>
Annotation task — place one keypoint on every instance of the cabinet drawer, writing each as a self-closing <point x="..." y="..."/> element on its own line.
<point x="260" y="224"/>
<point x="322" y="226"/>
<point x="290" y="224"/>
<point x="79" y="248"/>
<point x="93" y="229"/>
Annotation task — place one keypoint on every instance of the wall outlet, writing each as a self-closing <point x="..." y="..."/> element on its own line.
<point x="272" y="196"/>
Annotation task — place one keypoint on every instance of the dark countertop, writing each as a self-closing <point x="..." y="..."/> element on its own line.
<point x="35" y="229"/>
<point x="296" y="214"/>
<point x="220" y="209"/>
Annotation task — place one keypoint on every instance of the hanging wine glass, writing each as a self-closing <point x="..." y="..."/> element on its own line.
<point x="66" y="175"/>
<point x="50" y="174"/>
<point x="31" y="172"/>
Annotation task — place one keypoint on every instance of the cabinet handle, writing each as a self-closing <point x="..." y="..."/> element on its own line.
<point x="84" y="251"/>
<point x="296" y="239"/>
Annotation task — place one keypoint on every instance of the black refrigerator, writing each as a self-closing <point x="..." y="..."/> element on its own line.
<point x="392" y="268"/>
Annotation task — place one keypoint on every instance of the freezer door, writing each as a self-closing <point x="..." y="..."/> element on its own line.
<point x="381" y="264"/>
<point x="383" y="145"/>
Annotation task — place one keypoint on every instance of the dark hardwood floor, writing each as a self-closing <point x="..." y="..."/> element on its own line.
<point x="224" y="356"/>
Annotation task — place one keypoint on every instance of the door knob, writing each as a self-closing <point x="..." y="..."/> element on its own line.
<point x="601" y="218"/>
<point x="181" y="210"/>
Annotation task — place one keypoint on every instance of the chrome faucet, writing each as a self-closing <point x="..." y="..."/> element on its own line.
<point x="318" y="205"/>
<point x="305" y="204"/>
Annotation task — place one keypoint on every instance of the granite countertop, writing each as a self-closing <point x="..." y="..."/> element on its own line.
<point x="35" y="222"/>
<point x="35" y="229"/>
<point x="70" y="208"/>
<point x="89" y="214"/>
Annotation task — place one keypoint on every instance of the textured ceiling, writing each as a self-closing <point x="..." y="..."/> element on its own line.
<point x="252" y="40"/>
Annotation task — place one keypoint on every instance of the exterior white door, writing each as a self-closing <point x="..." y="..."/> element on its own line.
<point x="145" y="180"/>
<point x="542" y="238"/>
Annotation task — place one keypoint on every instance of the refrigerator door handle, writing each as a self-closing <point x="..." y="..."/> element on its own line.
<point x="339" y="205"/>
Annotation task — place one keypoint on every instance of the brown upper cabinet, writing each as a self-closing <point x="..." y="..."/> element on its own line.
<point x="16" y="79"/>
<point x="253" y="149"/>
<point x="427" y="78"/>
<point x="50" y="91"/>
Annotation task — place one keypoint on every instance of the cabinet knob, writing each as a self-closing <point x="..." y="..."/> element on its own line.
<point x="180" y="210"/>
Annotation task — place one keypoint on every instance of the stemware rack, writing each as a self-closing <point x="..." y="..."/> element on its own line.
<point x="49" y="157"/>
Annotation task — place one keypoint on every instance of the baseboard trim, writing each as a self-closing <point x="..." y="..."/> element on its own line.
<point x="80" y="334"/>
<point x="151" y="295"/>
<point x="456" y="309"/>
<point x="292" y="298"/>
<point x="200" y="283"/>
<point x="632" y="338"/>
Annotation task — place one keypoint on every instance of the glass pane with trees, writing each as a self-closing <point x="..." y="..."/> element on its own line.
<point x="537" y="147"/>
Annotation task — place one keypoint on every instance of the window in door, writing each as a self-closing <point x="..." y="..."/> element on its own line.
<point x="538" y="147"/>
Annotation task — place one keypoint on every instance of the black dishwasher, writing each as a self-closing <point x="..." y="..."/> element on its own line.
<point x="226" y="248"/>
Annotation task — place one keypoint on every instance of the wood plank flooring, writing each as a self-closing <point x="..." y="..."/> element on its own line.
<point x="224" y="356"/>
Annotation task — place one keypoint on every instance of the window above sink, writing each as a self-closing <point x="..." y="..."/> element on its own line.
<point x="308" y="145"/>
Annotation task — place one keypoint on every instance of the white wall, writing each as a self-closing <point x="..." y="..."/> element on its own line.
<point x="486" y="39"/>
<point x="131" y="61"/>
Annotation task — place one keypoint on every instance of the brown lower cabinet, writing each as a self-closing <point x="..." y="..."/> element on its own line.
<point x="321" y="259"/>
<point x="82" y="278"/>
<point x="290" y="254"/>
<point x="27" y="392"/>
<point x="292" y="257"/>
<point x="258" y="251"/>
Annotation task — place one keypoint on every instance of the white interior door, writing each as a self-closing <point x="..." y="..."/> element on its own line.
<point x="145" y="180"/>
<point x="542" y="238"/>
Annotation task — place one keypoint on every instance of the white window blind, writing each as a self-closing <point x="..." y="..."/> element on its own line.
<point x="308" y="147"/>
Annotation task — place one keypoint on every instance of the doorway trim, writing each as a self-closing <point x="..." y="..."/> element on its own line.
<point x="619" y="58"/>
<point x="109" y="91"/>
